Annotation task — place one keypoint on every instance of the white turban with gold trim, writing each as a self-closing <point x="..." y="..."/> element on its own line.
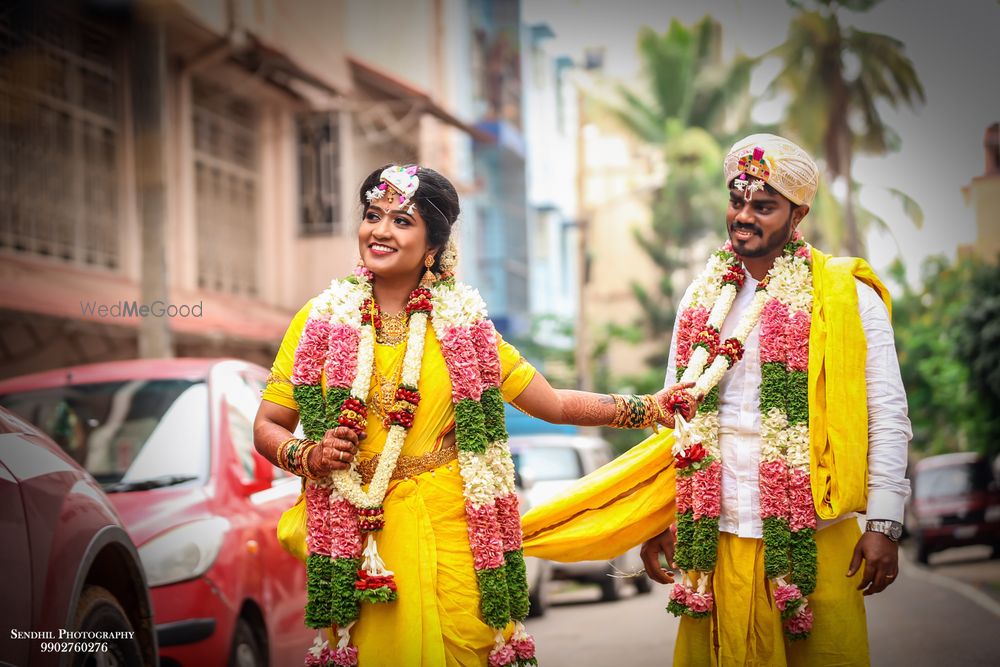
<point x="774" y="160"/>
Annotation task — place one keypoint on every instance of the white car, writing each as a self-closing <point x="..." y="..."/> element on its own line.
<point x="547" y="464"/>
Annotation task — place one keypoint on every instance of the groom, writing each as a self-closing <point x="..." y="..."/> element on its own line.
<point x="807" y="427"/>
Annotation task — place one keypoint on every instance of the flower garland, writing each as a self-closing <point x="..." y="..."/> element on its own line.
<point x="339" y="339"/>
<point x="782" y="303"/>
<point x="469" y="345"/>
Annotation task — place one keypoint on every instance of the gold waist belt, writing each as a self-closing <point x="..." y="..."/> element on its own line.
<point x="409" y="466"/>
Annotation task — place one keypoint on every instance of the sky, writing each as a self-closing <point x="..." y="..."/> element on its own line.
<point x="953" y="46"/>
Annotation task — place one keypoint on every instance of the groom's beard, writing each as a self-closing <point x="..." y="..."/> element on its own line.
<point x="769" y="243"/>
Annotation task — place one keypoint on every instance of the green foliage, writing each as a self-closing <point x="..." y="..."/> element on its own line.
<point x="694" y="105"/>
<point x="836" y="111"/>
<point x="470" y="426"/>
<point x="685" y="537"/>
<point x="557" y="362"/>
<point x="777" y="542"/>
<point x="947" y="342"/>
<point x="494" y="601"/>
<point x="493" y="408"/>
<point x="517" y="584"/>
<point x="311" y="409"/>
<point x="803" y="551"/>
<point x="978" y="346"/>
<point x="704" y="549"/>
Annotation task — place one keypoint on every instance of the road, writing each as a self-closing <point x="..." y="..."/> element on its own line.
<point x="929" y="617"/>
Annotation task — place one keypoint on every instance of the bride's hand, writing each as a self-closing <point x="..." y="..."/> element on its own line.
<point x="687" y="407"/>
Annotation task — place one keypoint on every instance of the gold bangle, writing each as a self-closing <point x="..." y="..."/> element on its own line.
<point x="294" y="457"/>
<point x="306" y="451"/>
<point x="621" y="417"/>
<point x="281" y="454"/>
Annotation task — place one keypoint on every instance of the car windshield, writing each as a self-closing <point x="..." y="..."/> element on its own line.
<point x="545" y="464"/>
<point x="953" y="480"/>
<point x="129" y="435"/>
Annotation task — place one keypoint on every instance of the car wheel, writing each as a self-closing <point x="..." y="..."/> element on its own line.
<point x="922" y="552"/>
<point x="538" y="599"/>
<point x="99" y="611"/>
<point x="643" y="585"/>
<point x="611" y="587"/>
<point x="246" y="648"/>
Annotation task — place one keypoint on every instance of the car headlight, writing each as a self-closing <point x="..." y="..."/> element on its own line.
<point x="184" y="552"/>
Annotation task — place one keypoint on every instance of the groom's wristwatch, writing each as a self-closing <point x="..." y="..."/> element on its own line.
<point x="891" y="529"/>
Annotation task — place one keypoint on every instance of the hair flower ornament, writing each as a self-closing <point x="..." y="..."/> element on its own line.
<point x="396" y="181"/>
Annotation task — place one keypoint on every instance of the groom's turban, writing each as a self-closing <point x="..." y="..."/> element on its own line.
<point x="776" y="161"/>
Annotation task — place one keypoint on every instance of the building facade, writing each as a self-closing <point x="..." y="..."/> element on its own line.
<point x="199" y="157"/>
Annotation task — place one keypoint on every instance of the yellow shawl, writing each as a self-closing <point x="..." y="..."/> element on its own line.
<point x="632" y="498"/>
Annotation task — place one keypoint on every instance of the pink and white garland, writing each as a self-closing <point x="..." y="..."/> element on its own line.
<point x="339" y="338"/>
<point x="782" y="303"/>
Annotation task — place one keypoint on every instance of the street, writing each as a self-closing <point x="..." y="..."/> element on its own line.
<point x="929" y="617"/>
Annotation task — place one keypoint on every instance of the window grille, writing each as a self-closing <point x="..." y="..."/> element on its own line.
<point x="319" y="173"/>
<point x="60" y="132"/>
<point x="226" y="182"/>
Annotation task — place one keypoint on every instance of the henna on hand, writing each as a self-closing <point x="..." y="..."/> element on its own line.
<point x="334" y="452"/>
<point x="674" y="399"/>
<point x="585" y="408"/>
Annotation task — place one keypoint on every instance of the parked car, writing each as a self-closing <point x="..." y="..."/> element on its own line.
<point x="547" y="464"/>
<point x="68" y="562"/>
<point x="537" y="569"/>
<point x="955" y="502"/>
<point x="171" y="442"/>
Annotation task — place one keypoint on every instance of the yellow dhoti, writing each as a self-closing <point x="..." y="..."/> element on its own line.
<point x="746" y="626"/>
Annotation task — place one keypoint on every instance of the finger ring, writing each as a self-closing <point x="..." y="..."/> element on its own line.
<point x="340" y="455"/>
<point x="890" y="576"/>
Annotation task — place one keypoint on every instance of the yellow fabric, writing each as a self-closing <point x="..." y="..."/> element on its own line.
<point x="838" y="409"/>
<point x="292" y="529"/>
<point x="435" y="621"/>
<point x="746" y="626"/>
<point x="632" y="498"/>
<point x="610" y="510"/>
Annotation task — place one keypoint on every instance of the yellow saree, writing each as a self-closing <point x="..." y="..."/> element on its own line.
<point x="435" y="620"/>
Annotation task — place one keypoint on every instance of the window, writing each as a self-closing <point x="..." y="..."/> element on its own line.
<point x="544" y="464"/>
<point x="319" y="173"/>
<point x="952" y="481"/>
<point x="60" y="94"/>
<point x="125" y="431"/>
<point x="242" y="399"/>
<point x="226" y="182"/>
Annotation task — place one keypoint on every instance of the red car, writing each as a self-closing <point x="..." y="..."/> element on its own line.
<point x="956" y="502"/>
<point x="71" y="575"/>
<point x="171" y="442"/>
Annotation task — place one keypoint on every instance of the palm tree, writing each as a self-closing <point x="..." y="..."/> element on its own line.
<point x="832" y="105"/>
<point x="689" y="84"/>
<point x="694" y="106"/>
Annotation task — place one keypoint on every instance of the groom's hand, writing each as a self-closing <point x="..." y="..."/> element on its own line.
<point x="651" y="550"/>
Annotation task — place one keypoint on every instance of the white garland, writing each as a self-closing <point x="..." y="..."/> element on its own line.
<point x="784" y="282"/>
<point x="484" y="476"/>
<point x="366" y="362"/>
<point x="705" y="380"/>
<point x="479" y="481"/>
<point x="342" y="303"/>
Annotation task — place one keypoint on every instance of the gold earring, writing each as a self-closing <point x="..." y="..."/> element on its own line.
<point x="429" y="278"/>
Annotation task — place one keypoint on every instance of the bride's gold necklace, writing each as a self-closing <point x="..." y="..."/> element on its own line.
<point x="393" y="328"/>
